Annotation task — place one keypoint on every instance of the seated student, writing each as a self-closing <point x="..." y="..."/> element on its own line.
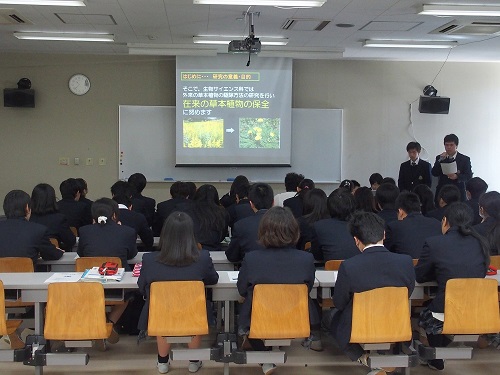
<point x="278" y="263"/>
<point x="375" y="181"/>
<point x="385" y="198"/>
<point x="292" y="181"/>
<point x="332" y="239"/>
<point x="77" y="213"/>
<point x="355" y="186"/>
<point x="82" y="187"/>
<point x="229" y="199"/>
<point x="379" y="267"/>
<point x="489" y="209"/>
<point x="134" y="220"/>
<point x="138" y="182"/>
<point x="315" y="209"/>
<point x="21" y="238"/>
<point x="210" y="219"/>
<point x="191" y="189"/>
<point x="244" y="233"/>
<point x="447" y="195"/>
<point x="178" y="259"/>
<point x="365" y="199"/>
<point x="241" y="208"/>
<point x="295" y="203"/>
<point x="44" y="211"/>
<point x="426" y="197"/>
<point x="179" y="193"/>
<point x="460" y="252"/>
<point x="407" y="235"/>
<point x="474" y="188"/>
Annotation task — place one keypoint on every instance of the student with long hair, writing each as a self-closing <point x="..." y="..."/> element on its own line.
<point x="44" y="211"/>
<point x="365" y="201"/>
<point x="296" y="203"/>
<point x="178" y="259"/>
<point x="315" y="208"/>
<point x="489" y="209"/>
<point x="459" y="253"/>
<point x="426" y="197"/>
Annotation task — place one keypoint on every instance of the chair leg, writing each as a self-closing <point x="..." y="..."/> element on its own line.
<point x="15" y="341"/>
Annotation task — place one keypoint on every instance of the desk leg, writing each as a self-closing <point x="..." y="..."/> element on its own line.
<point x="227" y="315"/>
<point x="39" y="319"/>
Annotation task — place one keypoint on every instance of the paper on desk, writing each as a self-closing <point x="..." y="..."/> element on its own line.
<point x="449" y="168"/>
<point x="438" y="316"/>
<point x="64" y="277"/>
<point x="233" y="276"/>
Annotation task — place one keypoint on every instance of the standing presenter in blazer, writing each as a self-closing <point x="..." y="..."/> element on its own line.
<point x="414" y="171"/>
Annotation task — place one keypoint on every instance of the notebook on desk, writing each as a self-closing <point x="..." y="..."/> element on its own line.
<point x="93" y="274"/>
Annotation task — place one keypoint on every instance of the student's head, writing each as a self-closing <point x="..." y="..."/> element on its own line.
<point x="388" y="180"/>
<point x="207" y="194"/>
<point x="191" y="189"/>
<point x="341" y="204"/>
<point x="367" y="228"/>
<point x="347" y="185"/>
<point x="121" y="188"/>
<point x="426" y="197"/>
<point x="386" y="195"/>
<point x="315" y="206"/>
<point x="458" y="214"/>
<point x="261" y="196"/>
<point x="278" y="228"/>
<point x="364" y="199"/>
<point x="355" y="186"/>
<point x="138" y="182"/>
<point x="407" y="203"/>
<point x="16" y="204"/>
<point x="489" y="205"/>
<point x="450" y="144"/>
<point x="82" y="186"/>
<point x="43" y="200"/>
<point x="123" y="199"/>
<point x="375" y="180"/>
<point x="305" y="185"/>
<point x="239" y="187"/>
<point x="292" y="180"/>
<point x="448" y="194"/>
<point x="413" y="149"/>
<point x="179" y="189"/>
<point x="104" y="210"/>
<point x="177" y="244"/>
<point x="69" y="189"/>
<point x="475" y="187"/>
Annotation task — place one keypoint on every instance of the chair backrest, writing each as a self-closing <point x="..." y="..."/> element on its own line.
<point x="14" y="264"/>
<point x="471" y="306"/>
<point x="495" y="261"/>
<point x="54" y="241"/>
<point x="177" y="308"/>
<point x="371" y="321"/>
<point x="84" y="263"/>
<point x="74" y="231"/>
<point x="3" y="322"/>
<point x="415" y="261"/>
<point x="307" y="246"/>
<point x="280" y="311"/>
<point x="333" y="265"/>
<point x="76" y="311"/>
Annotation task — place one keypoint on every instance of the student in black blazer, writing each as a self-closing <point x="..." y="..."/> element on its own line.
<point x="21" y="238"/>
<point x="241" y="208"/>
<point x="474" y="189"/>
<point x="332" y="239"/>
<point x="459" y="253"/>
<point x="295" y="203"/>
<point x="138" y="182"/>
<point x="278" y="263"/>
<point x="83" y="188"/>
<point x="407" y="235"/>
<point x="450" y="155"/>
<point x="134" y="220"/>
<point x="178" y="259"/>
<point x="244" y="233"/>
<point x="44" y="211"/>
<point x="385" y="198"/>
<point x="315" y="209"/>
<point x="414" y="171"/>
<point x="447" y="195"/>
<point x="179" y="192"/>
<point x="77" y="213"/>
<point x="375" y="267"/>
<point x="489" y="228"/>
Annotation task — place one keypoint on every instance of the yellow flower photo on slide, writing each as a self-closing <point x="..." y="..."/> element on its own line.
<point x="207" y="133"/>
<point x="260" y="133"/>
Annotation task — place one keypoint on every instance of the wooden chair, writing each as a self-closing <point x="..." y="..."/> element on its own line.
<point x="415" y="262"/>
<point x="54" y="241"/>
<point x="8" y="328"/>
<point x="16" y="264"/>
<point x="84" y="263"/>
<point x="495" y="261"/>
<point x="280" y="313"/>
<point x="74" y="230"/>
<point x="372" y="329"/>
<point x="307" y="246"/>
<point x="333" y="265"/>
<point x="470" y="309"/>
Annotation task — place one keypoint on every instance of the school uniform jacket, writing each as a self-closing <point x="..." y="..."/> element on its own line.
<point x="244" y="237"/>
<point x="57" y="227"/>
<point x="464" y="169"/>
<point x="138" y="222"/>
<point x="449" y="256"/>
<point x="163" y="209"/>
<point x="152" y="270"/>
<point x="21" y="238"/>
<point x="332" y="240"/>
<point x="273" y="266"/>
<point x="77" y="213"/>
<point x="375" y="267"/>
<point x="484" y="228"/>
<point x="413" y="175"/>
<point x="108" y="239"/>
<point x="145" y="206"/>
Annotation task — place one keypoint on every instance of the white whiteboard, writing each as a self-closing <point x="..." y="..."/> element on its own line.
<point x="147" y="145"/>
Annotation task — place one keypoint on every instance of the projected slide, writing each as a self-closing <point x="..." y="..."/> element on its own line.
<point x="230" y="114"/>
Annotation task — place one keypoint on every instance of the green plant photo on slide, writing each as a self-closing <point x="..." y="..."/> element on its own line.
<point x="259" y="133"/>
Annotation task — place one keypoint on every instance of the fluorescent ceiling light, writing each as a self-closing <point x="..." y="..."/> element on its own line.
<point x="461" y="10"/>
<point x="272" y="3"/>
<point x="79" y="37"/>
<point x="61" y="3"/>
<point x="169" y="50"/>
<point x="409" y="43"/>
<point x="219" y="39"/>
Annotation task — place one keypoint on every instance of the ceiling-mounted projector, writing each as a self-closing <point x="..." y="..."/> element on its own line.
<point x="248" y="45"/>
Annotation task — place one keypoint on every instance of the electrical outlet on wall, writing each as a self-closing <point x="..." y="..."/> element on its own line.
<point x="89" y="161"/>
<point x="63" y="160"/>
<point x="102" y="161"/>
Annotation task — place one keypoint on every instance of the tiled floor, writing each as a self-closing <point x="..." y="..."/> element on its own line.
<point x="126" y="358"/>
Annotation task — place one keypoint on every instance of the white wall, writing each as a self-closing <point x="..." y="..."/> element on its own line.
<point x="375" y="97"/>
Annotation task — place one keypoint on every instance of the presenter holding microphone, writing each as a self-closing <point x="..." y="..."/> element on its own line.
<point x="459" y="169"/>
